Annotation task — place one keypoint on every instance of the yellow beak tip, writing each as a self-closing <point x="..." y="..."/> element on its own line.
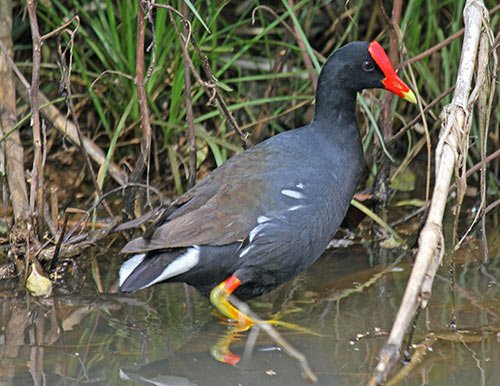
<point x="410" y="96"/>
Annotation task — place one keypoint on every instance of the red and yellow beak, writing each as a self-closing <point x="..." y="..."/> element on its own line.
<point x="392" y="82"/>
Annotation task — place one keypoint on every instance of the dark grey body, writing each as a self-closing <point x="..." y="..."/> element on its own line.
<point x="290" y="241"/>
<point x="268" y="213"/>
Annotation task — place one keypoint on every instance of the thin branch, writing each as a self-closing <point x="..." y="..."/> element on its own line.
<point x="418" y="117"/>
<point x="386" y="115"/>
<point x="61" y="123"/>
<point x="189" y="107"/>
<point x="66" y="74"/>
<point x="442" y="44"/>
<point x="144" y="156"/>
<point x="210" y="86"/>
<point x="453" y="186"/>
<point x="37" y="180"/>
<point x="313" y="75"/>
<point x="61" y="28"/>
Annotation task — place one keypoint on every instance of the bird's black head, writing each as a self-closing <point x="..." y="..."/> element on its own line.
<point x="352" y="68"/>
<point x="361" y="65"/>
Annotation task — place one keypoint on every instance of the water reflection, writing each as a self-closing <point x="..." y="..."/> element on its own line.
<point x="163" y="336"/>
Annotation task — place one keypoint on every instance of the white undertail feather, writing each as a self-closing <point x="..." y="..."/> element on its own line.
<point x="180" y="265"/>
<point x="128" y="267"/>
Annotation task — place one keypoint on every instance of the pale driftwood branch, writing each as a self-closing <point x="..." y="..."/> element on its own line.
<point x="449" y="157"/>
<point x="68" y="129"/>
<point x="62" y="123"/>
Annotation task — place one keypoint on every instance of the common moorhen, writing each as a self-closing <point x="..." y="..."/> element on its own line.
<point x="268" y="213"/>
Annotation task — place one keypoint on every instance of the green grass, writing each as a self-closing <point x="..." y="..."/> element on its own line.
<point x="105" y="50"/>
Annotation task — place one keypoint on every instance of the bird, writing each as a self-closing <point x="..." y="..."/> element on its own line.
<point x="267" y="213"/>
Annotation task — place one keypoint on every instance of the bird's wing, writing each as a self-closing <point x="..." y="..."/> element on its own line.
<point x="221" y="209"/>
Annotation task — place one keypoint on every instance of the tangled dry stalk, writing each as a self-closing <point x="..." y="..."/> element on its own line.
<point x="451" y="153"/>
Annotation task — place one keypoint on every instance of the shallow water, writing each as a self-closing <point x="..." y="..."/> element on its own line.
<point x="163" y="335"/>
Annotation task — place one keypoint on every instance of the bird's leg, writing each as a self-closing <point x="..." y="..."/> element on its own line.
<point x="219" y="297"/>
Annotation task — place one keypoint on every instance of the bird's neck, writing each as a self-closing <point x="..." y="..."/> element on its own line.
<point x="335" y="105"/>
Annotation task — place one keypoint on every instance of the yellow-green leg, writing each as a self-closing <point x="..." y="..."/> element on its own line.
<point x="219" y="297"/>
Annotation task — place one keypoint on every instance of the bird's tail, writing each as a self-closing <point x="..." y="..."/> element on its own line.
<point x="145" y="269"/>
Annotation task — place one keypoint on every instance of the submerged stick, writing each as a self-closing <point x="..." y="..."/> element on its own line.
<point x="307" y="373"/>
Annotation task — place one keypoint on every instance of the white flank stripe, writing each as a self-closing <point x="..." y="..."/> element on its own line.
<point x="291" y="209"/>
<point x="254" y="231"/>
<point x="292" y="193"/>
<point x="180" y="265"/>
<point x="128" y="267"/>
<point x="246" y="250"/>
<point x="262" y="219"/>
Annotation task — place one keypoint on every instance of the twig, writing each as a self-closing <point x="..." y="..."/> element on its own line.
<point x="61" y="123"/>
<point x="442" y="44"/>
<point x="426" y="136"/>
<point x="277" y="66"/>
<point x="416" y="359"/>
<point x="471" y="171"/>
<point x="484" y="93"/>
<point x="418" y="117"/>
<point x="61" y="28"/>
<point x="66" y="74"/>
<point x="67" y="128"/>
<point x="386" y="116"/>
<point x="37" y="180"/>
<point x="55" y="257"/>
<point x="276" y="16"/>
<point x="210" y="87"/>
<point x="492" y="206"/>
<point x="218" y="97"/>
<point x="14" y="68"/>
<point x="313" y="75"/>
<point x="113" y="191"/>
<point x="189" y="107"/>
<point x="144" y="156"/>
<point x="79" y="243"/>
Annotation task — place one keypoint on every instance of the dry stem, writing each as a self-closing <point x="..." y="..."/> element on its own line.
<point x="12" y="153"/>
<point x="144" y="156"/>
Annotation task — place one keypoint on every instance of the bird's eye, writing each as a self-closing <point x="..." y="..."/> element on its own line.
<point x="367" y="66"/>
